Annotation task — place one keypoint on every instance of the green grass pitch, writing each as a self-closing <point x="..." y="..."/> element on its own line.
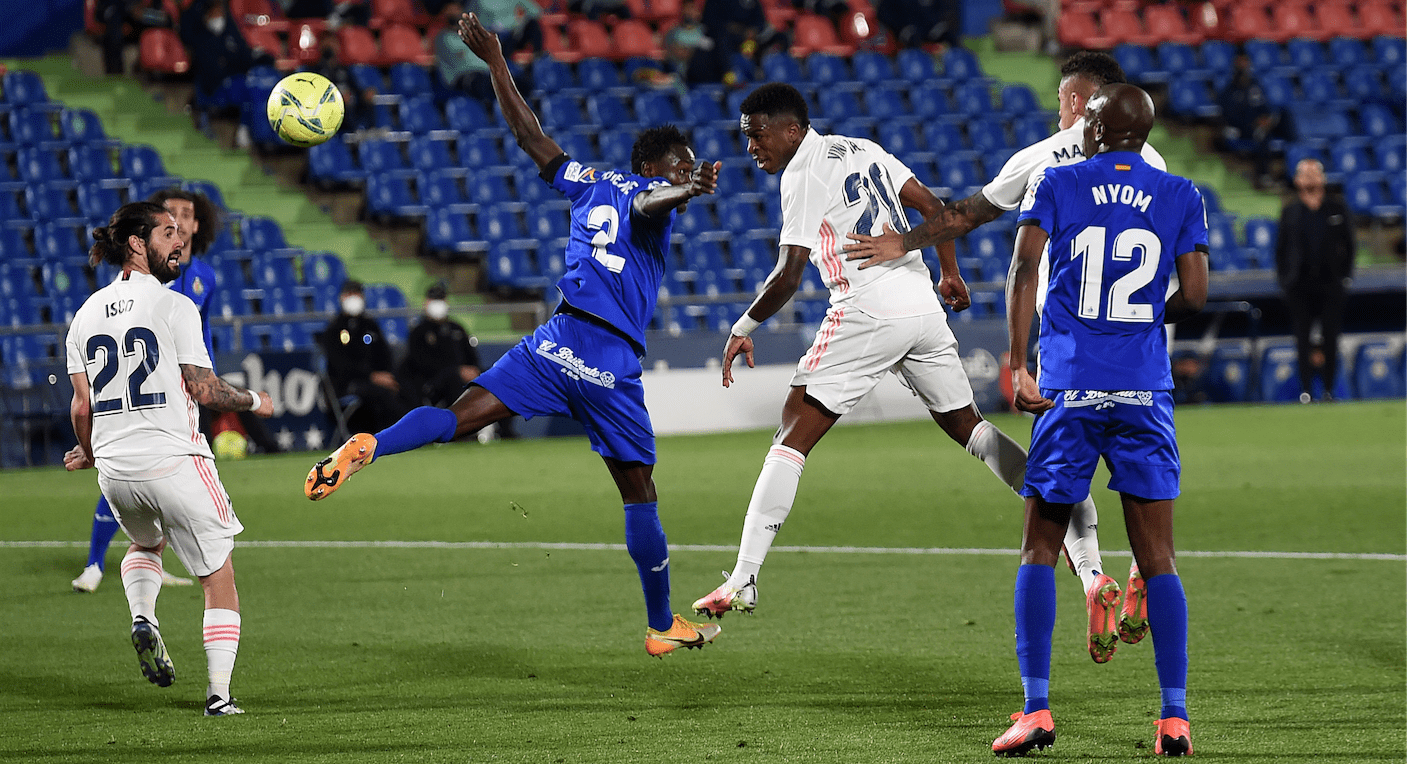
<point x="529" y="654"/>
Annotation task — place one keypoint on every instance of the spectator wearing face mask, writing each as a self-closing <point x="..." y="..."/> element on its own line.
<point x="441" y="357"/>
<point x="359" y="364"/>
<point x="220" y="56"/>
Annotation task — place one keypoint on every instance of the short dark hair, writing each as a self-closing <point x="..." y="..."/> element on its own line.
<point x="1099" y="68"/>
<point x="652" y="144"/>
<point x="777" y="98"/>
<point x="352" y="286"/>
<point x="205" y="213"/>
<point x="134" y="219"/>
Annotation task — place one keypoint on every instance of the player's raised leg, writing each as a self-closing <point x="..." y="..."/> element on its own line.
<point x="221" y="632"/>
<point x="1150" y="529"/>
<point x="804" y="423"/>
<point x="476" y="408"/>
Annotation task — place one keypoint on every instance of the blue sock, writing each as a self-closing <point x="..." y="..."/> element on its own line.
<point x="420" y="427"/>
<point x="104" y="526"/>
<point x="644" y="539"/>
<point x="1167" y="620"/>
<point x="1035" y="622"/>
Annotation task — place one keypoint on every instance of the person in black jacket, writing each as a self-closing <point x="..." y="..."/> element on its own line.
<point x="359" y="363"/>
<point x="441" y="357"/>
<point x="218" y="51"/>
<point x="1314" y="254"/>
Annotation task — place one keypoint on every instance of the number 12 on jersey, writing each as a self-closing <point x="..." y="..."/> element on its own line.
<point x="1089" y="246"/>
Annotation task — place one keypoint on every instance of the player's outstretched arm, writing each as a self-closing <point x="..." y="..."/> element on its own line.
<point x="1020" y="308"/>
<point x="214" y="393"/>
<point x="657" y="202"/>
<point x="915" y="195"/>
<point x="781" y="284"/>
<point x="1191" y="294"/>
<point x="945" y="224"/>
<point x="527" y="131"/>
<point x="80" y="412"/>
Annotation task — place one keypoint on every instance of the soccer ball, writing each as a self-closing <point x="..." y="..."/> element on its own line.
<point x="305" y="109"/>
<point x="230" y="445"/>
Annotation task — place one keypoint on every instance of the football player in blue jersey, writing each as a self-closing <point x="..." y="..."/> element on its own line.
<point x="584" y="363"/>
<point x="1118" y="232"/>
<point x="197" y="222"/>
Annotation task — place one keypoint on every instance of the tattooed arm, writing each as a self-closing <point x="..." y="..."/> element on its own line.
<point x="212" y="392"/>
<point x="948" y="223"/>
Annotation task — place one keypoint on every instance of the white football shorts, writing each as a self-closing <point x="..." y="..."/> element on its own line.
<point x="853" y="351"/>
<point x="188" y="507"/>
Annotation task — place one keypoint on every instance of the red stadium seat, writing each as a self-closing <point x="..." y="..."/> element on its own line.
<point x="248" y="12"/>
<point x="634" y="38"/>
<point x="160" y="52"/>
<point x="1337" y="20"/>
<point x="1380" y="18"/>
<point x="779" y="13"/>
<point x="655" y="11"/>
<point x="358" y="46"/>
<point x="1125" y="26"/>
<point x="554" y="43"/>
<point x="1294" y="20"/>
<point x="589" y="39"/>
<point x="1081" y="30"/>
<point x="1165" y="24"/>
<point x="387" y="12"/>
<point x="265" y="39"/>
<point x="402" y="44"/>
<point x="1246" y="22"/>
<point x="304" y="45"/>
<point x="816" y="34"/>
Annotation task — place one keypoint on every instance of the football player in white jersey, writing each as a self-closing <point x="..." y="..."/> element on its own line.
<point x="138" y="365"/>
<point x="1080" y="76"/>
<point x="880" y="320"/>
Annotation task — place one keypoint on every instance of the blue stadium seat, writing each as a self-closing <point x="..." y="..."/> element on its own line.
<point x="885" y="103"/>
<point x="14" y="250"/>
<point x="39" y="166"/>
<point x="1366" y="196"/>
<point x="531" y="190"/>
<point x="957" y="174"/>
<point x="141" y="162"/>
<point x="560" y="112"/>
<point x="827" y="70"/>
<point x="1391" y="156"/>
<point x="24" y="87"/>
<point x="365" y="76"/>
<point x="323" y="268"/>
<point x="1377" y="121"/>
<point x="441" y="189"/>
<point x="384" y="297"/>
<point x="487" y="187"/>
<point x="33" y="127"/>
<point x="1191" y="98"/>
<point x="419" y="115"/>
<point x="1305" y="53"/>
<point x="855" y="127"/>
<point x="60" y="242"/>
<point x="872" y="67"/>
<point x="51" y="204"/>
<point x="973" y="98"/>
<point x="1180" y="60"/>
<point x="616" y="146"/>
<point x="915" y="65"/>
<point x="578" y="146"/>
<point x="1218" y="55"/>
<point x="82" y="126"/>
<point x="739" y="215"/>
<point x="104" y="274"/>
<point x="898" y="138"/>
<point x="261" y="234"/>
<point x="1019" y="100"/>
<point x="987" y="135"/>
<point x="207" y="189"/>
<point x="1278" y="89"/>
<point x="499" y="223"/>
<point x="990" y="245"/>
<point x="1316" y="123"/>
<point x="710" y="143"/>
<point x="657" y="108"/>
<point x="10" y="207"/>
<point x="1279" y="374"/>
<point x="1264" y="54"/>
<point x="961" y="64"/>
<point x="378" y="156"/>
<point x="428" y="154"/>
<point x="701" y="107"/>
<point x="97" y="203"/>
<point x="467" y="115"/>
<point x="733" y="179"/>
<point x="410" y="80"/>
<point x="1228" y="376"/>
<point x="1260" y="235"/>
<point x="550" y="75"/>
<point x="1211" y="200"/>
<point x="229" y="271"/>
<point x="750" y="254"/>
<point x="17" y="282"/>
<point x="479" y="151"/>
<point x="270" y="269"/>
<point x="515" y="266"/>
<point x="448" y="231"/>
<point x="1364" y="83"/>
<point x="1321" y="86"/>
<point x="1348" y="159"/>
<point x="778" y="66"/>
<point x="598" y="75"/>
<point x="1389" y="52"/>
<point x="90" y="162"/>
<point x="696" y="218"/>
<point x="1139" y="65"/>
<point x="1221" y="236"/>
<point x="1377" y="371"/>
<point x="552" y="220"/>
<point x="331" y="163"/>
<point x="228" y="303"/>
<point x="605" y="109"/>
<point x="1030" y="130"/>
<point x="1347" y="52"/>
<point x="943" y="138"/>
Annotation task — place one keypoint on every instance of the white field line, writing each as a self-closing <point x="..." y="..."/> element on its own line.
<point x="714" y="548"/>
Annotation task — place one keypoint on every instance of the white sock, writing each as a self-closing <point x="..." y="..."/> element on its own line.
<point x="1004" y="456"/>
<point x="772" y="498"/>
<point x="1082" y="541"/>
<point x="141" y="579"/>
<point x="221" y="647"/>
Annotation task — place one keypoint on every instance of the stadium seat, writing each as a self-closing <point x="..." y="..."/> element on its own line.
<point x="1279" y="374"/>
<point x="551" y="76"/>
<point x="1376" y="371"/>
<point x="97" y="203"/>
<point x="974" y="99"/>
<point x="943" y="138"/>
<point x="39" y="166"/>
<point x="987" y="135"/>
<point x="1192" y="98"/>
<point x="50" y="203"/>
<point x="1260" y="234"/>
<point x="159" y="51"/>
<point x="23" y="88"/>
<point x="1264" y="55"/>
<point x="500" y="223"/>
<point x="1221" y="236"/>
<point x="261" y="234"/>
<point x="448" y="231"/>
<point x="1166" y="24"/>
<point x="228" y="302"/>
<point x="331" y="163"/>
<point x="1321" y="86"/>
<point x="1217" y="55"/>
<point x="478" y="151"/>
<point x="872" y="67"/>
<point x="1019" y="100"/>
<point x="709" y="143"/>
<point x="633" y="37"/>
<point x="827" y="70"/>
<point x="1364" y="84"/>
<point x="915" y="65"/>
<point x="598" y="75"/>
<point x="701" y="107"/>
<point x="34" y="127"/>
<point x="1347" y="52"/>
<point x="1306" y="54"/>
<point x="589" y="39"/>
<point x="657" y="108"/>
<point x="378" y="156"/>
<point x="1123" y="24"/>
<point x="560" y="112"/>
<point x="429" y="154"/>
<point x="739" y="215"/>
<point x="1389" y="50"/>
<point x="229" y="273"/>
<point x="90" y="162"/>
<point x="930" y="102"/>
<point x="357" y="46"/>
<point x="280" y="301"/>
<point x="82" y="126"/>
<point x="323" y="268"/>
<point x="64" y="278"/>
<point x="816" y="34"/>
<point x="837" y="105"/>
<point x="1080" y="29"/>
<point x="1139" y="65"/>
<point x="419" y="116"/>
<point x="1377" y="121"/>
<point x="411" y="81"/>
<point x="141" y="162"/>
<point x="1380" y="18"/>
<point x="1228" y="375"/>
<point x="402" y="44"/>
<point x="781" y="67"/>
<point x="389" y="197"/>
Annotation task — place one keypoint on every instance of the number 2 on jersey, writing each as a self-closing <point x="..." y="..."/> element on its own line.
<point x="1089" y="244"/>
<point x="605" y="221"/>
<point x="151" y="356"/>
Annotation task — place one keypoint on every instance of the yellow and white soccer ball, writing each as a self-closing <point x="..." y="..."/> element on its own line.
<point x="230" y="444"/>
<point x="305" y="109"/>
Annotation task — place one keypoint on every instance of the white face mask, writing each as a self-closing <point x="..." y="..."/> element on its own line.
<point x="437" y="310"/>
<point x="215" y="25"/>
<point x="353" y="305"/>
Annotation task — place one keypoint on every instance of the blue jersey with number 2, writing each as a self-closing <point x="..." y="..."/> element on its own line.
<point x="1116" y="227"/>
<point x="615" y="260"/>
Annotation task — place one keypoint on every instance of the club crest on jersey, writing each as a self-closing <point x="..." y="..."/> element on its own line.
<point x="198" y="286"/>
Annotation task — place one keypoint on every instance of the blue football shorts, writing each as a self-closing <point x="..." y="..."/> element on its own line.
<point x="574" y="368"/>
<point x="1132" y="430"/>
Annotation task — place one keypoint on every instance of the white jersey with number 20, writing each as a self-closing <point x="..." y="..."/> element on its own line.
<point x="131" y="338"/>
<point x="834" y="186"/>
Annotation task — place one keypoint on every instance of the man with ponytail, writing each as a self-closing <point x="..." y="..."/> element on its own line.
<point x="139" y="367"/>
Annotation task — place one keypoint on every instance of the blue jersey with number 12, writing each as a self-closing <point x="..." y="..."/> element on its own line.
<point x="615" y="260"/>
<point x="1116" y="227"/>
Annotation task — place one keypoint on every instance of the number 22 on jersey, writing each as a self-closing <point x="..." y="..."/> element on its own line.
<point x="135" y="398"/>
<point x="1090" y="247"/>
